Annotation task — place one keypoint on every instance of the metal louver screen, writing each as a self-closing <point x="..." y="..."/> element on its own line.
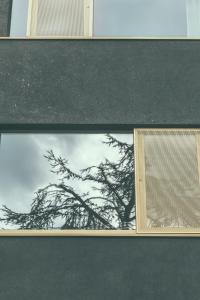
<point x="171" y="184"/>
<point x="60" y="18"/>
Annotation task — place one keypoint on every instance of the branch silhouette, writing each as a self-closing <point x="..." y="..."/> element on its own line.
<point x="60" y="206"/>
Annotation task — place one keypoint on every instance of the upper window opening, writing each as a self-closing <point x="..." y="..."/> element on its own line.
<point x="106" y="18"/>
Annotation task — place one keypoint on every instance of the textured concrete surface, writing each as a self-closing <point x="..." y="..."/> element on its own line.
<point x="99" y="268"/>
<point x="100" y="82"/>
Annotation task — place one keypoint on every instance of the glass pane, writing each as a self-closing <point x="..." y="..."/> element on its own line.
<point x="67" y="181"/>
<point x="60" y="17"/>
<point x="172" y="183"/>
<point x="19" y="18"/>
<point x="146" y="18"/>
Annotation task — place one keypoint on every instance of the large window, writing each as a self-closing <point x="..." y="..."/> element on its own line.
<point x="106" y="18"/>
<point x="129" y="184"/>
<point x="66" y="181"/>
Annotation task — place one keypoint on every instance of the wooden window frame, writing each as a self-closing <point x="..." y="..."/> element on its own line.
<point x="140" y="183"/>
<point x="32" y="20"/>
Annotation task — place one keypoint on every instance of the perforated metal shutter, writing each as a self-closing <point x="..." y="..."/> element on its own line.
<point x="60" y="18"/>
<point x="171" y="197"/>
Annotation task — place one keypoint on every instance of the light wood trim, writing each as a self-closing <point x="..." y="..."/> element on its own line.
<point x="32" y="18"/>
<point x="95" y="233"/>
<point x="194" y="130"/>
<point x="29" y="18"/>
<point x="67" y="232"/>
<point x="88" y="18"/>
<point x="140" y="181"/>
<point x="198" y="153"/>
<point x="174" y="231"/>
<point x="59" y="37"/>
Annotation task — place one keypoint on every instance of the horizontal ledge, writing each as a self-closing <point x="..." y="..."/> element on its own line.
<point x="91" y="233"/>
<point x="98" y="38"/>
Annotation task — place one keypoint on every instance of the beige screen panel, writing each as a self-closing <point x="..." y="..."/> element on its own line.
<point x="167" y="178"/>
<point x="60" y="18"/>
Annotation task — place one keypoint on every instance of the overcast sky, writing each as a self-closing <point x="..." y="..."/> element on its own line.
<point x="23" y="168"/>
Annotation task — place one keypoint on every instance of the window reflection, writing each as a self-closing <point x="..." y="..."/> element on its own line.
<point x="145" y="18"/>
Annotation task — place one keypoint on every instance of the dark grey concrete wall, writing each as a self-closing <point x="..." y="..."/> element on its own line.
<point x="5" y="17"/>
<point x="100" y="82"/>
<point x="99" y="268"/>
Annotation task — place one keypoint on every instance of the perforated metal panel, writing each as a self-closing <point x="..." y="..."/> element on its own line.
<point x="59" y="18"/>
<point x="168" y="178"/>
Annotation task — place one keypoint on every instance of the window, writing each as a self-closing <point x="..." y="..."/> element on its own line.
<point x="101" y="184"/>
<point x="167" y="180"/>
<point x="139" y="18"/>
<point x="19" y="20"/>
<point x="106" y="18"/>
<point x="62" y="181"/>
<point x="147" y="18"/>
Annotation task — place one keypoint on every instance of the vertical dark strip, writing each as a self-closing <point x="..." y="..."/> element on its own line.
<point x="5" y="17"/>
